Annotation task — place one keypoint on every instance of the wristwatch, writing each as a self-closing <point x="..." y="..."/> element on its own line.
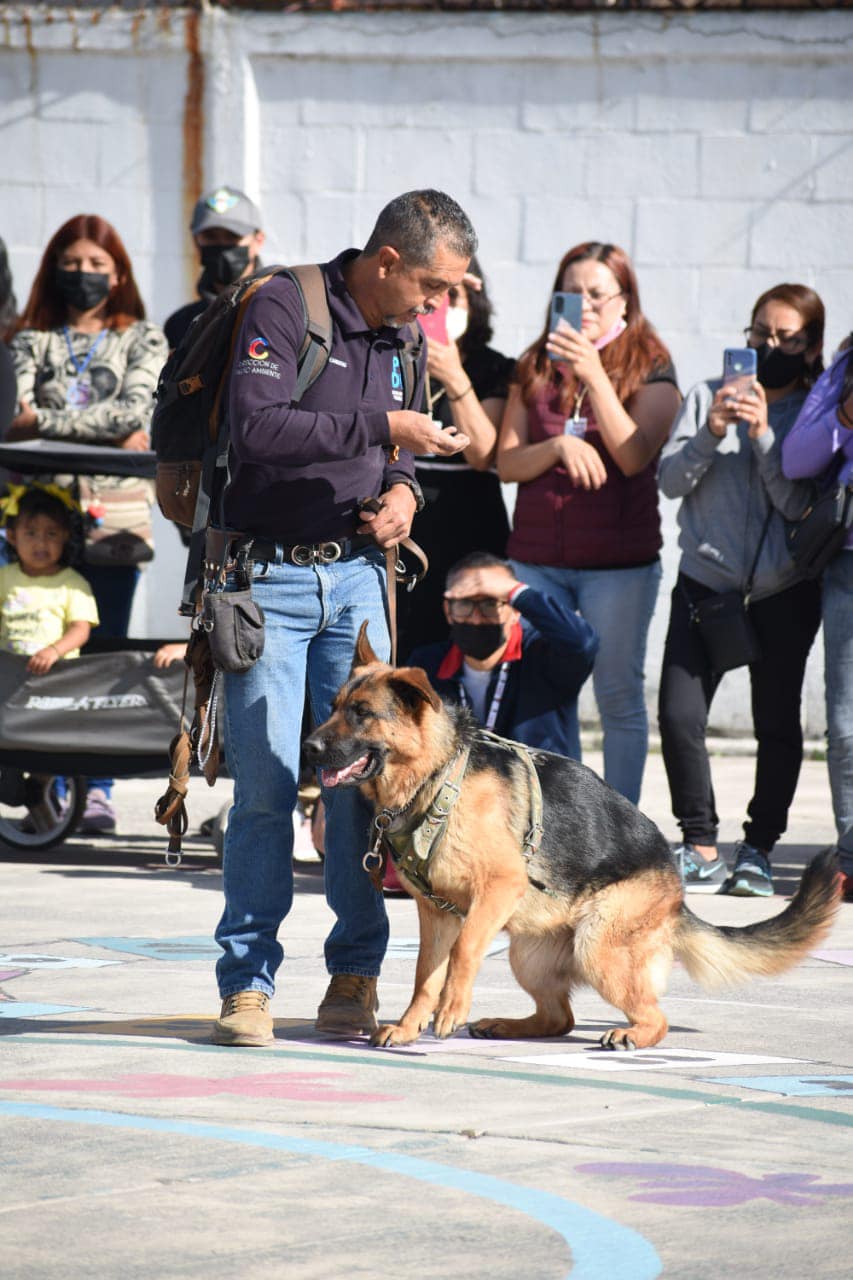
<point x="416" y="489"/>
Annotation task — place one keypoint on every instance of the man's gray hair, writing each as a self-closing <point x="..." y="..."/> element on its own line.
<point x="417" y="222"/>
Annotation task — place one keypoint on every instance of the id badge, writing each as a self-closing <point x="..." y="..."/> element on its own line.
<point x="78" y="393"/>
<point x="575" y="427"/>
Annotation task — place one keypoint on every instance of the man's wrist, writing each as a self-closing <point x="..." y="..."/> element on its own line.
<point x="515" y="592"/>
<point x="415" y="490"/>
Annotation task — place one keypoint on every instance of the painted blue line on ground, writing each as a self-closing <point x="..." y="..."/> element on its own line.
<point x="599" y="1246"/>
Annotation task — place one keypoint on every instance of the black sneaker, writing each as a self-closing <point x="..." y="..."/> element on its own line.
<point x="697" y="874"/>
<point x="751" y="877"/>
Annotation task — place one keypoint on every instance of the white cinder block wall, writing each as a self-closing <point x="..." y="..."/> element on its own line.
<point x="716" y="148"/>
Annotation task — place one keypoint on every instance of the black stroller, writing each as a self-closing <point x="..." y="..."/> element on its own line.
<point x="110" y="711"/>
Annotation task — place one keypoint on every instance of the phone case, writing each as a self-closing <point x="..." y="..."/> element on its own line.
<point x="739" y="366"/>
<point x="566" y="309"/>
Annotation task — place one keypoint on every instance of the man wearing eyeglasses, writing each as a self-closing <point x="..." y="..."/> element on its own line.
<point x="515" y="656"/>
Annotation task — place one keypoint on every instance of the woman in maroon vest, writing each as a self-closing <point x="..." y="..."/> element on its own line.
<point x="583" y="426"/>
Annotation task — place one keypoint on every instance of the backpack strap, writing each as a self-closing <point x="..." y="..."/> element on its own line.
<point x="410" y="356"/>
<point x="316" y="345"/>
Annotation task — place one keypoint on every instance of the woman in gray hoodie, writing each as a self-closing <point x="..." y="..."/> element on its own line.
<point x="724" y="460"/>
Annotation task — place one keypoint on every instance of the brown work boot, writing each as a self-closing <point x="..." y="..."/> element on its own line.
<point x="244" y="1020"/>
<point x="349" y="1006"/>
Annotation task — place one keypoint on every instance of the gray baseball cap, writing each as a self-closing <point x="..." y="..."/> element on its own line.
<point x="228" y="208"/>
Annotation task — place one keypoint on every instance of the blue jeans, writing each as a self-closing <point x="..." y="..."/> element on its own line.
<point x="313" y="615"/>
<point x="838" y="653"/>
<point x="619" y="603"/>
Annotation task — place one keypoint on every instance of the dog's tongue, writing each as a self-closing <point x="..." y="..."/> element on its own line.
<point x="331" y="777"/>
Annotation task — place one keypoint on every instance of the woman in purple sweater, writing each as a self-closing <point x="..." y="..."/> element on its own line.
<point x="820" y="444"/>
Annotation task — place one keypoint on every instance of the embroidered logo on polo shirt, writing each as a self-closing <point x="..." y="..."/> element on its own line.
<point x="396" y="379"/>
<point x="259" y="349"/>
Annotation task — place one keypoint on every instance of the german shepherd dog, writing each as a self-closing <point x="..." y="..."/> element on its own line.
<point x="600" y="902"/>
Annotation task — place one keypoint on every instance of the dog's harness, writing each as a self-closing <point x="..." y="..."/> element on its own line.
<point x="412" y="843"/>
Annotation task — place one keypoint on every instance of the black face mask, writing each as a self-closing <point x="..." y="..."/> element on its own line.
<point x="777" y="369"/>
<point x="223" y="264"/>
<point x="477" y="640"/>
<point x="82" y="290"/>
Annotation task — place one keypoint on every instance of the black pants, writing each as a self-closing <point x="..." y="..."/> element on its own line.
<point x="786" y="625"/>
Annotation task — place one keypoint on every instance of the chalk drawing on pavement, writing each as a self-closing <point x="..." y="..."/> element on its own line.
<point x="292" y="1086"/>
<point x="802" y="1086"/>
<point x="834" y="957"/>
<point x="646" y="1060"/>
<point x="202" y="948"/>
<point x="36" y="961"/>
<point x="407" y="948"/>
<point x="706" y="1186"/>
<point x="19" y="1009"/>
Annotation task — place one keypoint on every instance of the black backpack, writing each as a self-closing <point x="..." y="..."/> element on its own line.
<point x="189" y="427"/>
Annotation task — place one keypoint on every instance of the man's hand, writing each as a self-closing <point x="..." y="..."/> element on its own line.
<point x="392" y="522"/>
<point x="417" y="432"/>
<point x="492" y="581"/>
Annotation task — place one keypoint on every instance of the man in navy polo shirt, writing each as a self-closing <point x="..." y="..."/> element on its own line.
<point x="297" y="478"/>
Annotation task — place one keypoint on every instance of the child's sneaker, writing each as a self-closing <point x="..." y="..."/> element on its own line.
<point x="751" y="877"/>
<point x="697" y="874"/>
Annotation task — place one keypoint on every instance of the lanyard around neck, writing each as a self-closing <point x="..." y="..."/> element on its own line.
<point x="497" y="696"/>
<point x="80" y="366"/>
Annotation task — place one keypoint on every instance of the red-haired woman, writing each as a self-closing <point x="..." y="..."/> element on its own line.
<point x="581" y="433"/>
<point x="87" y="364"/>
<point x="724" y="461"/>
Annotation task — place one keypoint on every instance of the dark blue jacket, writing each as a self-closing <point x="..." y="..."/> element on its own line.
<point x="550" y="654"/>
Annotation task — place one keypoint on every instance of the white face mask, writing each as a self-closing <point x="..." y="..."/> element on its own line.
<point x="456" y="322"/>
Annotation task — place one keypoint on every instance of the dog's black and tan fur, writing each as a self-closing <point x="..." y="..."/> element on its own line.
<point x="615" y="917"/>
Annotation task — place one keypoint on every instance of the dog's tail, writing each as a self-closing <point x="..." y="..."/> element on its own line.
<point x="720" y="956"/>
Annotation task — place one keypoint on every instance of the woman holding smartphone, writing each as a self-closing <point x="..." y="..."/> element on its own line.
<point x="584" y="423"/>
<point x="724" y="461"/>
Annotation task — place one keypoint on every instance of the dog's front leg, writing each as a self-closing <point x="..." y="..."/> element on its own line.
<point x="486" y="917"/>
<point x="438" y="931"/>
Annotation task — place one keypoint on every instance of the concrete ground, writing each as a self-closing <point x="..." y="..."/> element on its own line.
<point x="134" y="1148"/>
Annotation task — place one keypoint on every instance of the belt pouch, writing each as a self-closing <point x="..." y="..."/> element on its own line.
<point x="235" y="626"/>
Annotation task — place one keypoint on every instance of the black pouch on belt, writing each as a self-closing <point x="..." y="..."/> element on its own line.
<point x="234" y="623"/>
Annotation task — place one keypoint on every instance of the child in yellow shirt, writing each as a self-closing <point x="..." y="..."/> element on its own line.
<point x="46" y="609"/>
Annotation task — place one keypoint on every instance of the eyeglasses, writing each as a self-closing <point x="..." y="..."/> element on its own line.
<point x="791" y="343"/>
<point x="487" y="607"/>
<point x="595" y="298"/>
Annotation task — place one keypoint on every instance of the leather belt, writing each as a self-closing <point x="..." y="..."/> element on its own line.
<point x="305" y="553"/>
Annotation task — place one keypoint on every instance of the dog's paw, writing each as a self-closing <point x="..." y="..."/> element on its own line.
<point x="392" y="1033"/>
<point x="449" y="1019"/>
<point x="617" y="1038"/>
<point x="488" y="1029"/>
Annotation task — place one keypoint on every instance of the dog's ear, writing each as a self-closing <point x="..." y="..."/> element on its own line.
<point x="364" y="654"/>
<point x="411" y="685"/>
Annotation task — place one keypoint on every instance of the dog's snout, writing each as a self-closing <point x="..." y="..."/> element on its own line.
<point x="313" y="748"/>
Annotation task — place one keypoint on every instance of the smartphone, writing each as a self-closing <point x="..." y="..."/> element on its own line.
<point x="566" y="312"/>
<point x="434" y="325"/>
<point x="739" y="367"/>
